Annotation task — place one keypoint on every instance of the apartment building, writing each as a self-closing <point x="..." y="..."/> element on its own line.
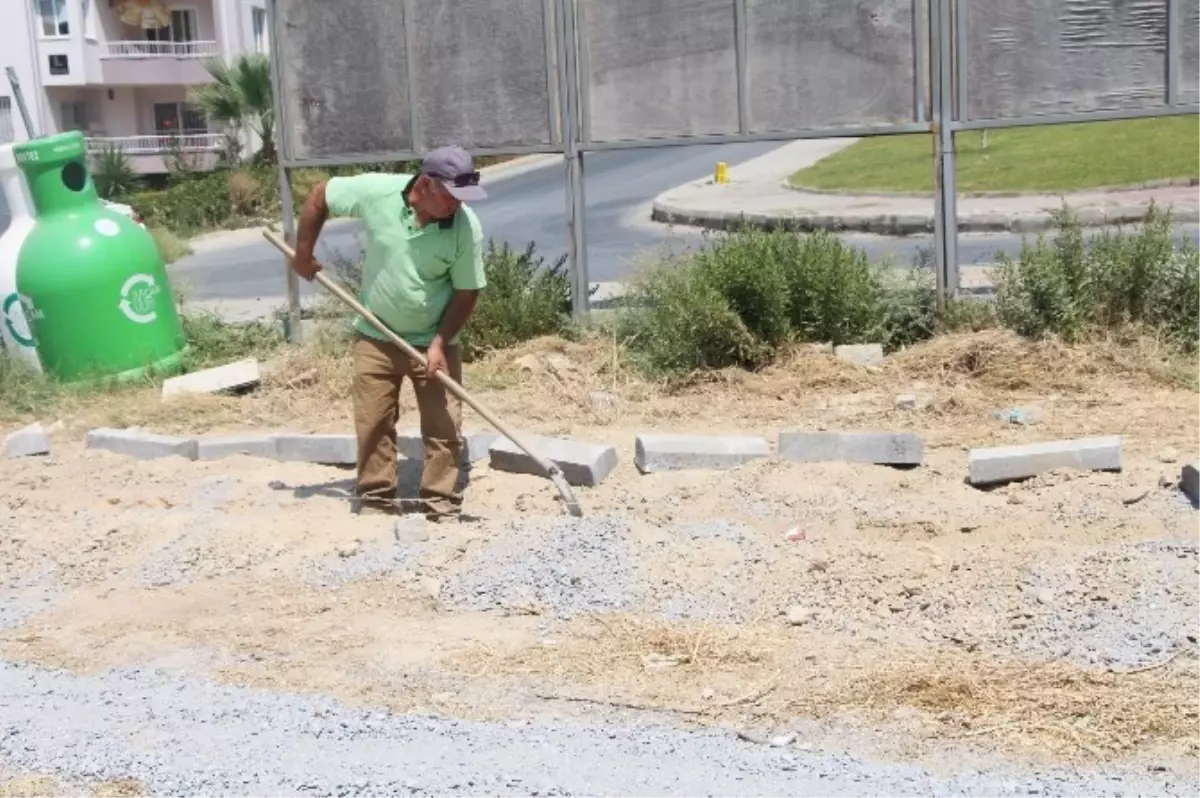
<point x="120" y="70"/>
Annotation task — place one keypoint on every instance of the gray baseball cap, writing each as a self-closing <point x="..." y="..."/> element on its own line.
<point x="456" y="169"/>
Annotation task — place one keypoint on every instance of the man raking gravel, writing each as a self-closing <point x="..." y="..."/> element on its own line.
<point x="421" y="279"/>
<point x="422" y="276"/>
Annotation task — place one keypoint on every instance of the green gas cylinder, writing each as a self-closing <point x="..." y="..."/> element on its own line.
<point x="93" y="285"/>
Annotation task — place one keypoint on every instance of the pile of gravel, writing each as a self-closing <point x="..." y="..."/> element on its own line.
<point x="183" y="736"/>
<point x="398" y="555"/>
<point x="576" y="566"/>
<point x="1121" y="607"/>
<point x="25" y="595"/>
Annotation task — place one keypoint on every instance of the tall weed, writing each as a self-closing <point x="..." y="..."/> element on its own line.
<point x="1075" y="288"/>
<point x="749" y="294"/>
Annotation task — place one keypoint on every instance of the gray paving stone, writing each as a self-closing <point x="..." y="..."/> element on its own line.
<point x="140" y="444"/>
<point x="325" y="449"/>
<point x="585" y="464"/>
<point x="862" y="354"/>
<point x="26" y="442"/>
<point x="696" y="452"/>
<point x="239" y="374"/>
<point x="1007" y="463"/>
<point x="216" y="447"/>
<point x="477" y="444"/>
<point x="878" y="448"/>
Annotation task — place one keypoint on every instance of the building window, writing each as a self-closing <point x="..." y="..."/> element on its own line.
<point x="74" y="115"/>
<point x="54" y="18"/>
<point x="181" y="30"/>
<point x="258" y="22"/>
<point x="59" y="65"/>
<point x="171" y="119"/>
<point x="6" y="125"/>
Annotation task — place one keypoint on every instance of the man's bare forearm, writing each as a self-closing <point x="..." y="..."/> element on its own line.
<point x="312" y="218"/>
<point x="458" y="310"/>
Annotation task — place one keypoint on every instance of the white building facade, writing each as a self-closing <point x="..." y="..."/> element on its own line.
<point x="120" y="71"/>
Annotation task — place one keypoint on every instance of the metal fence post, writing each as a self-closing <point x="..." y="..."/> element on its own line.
<point x="576" y="202"/>
<point x="291" y="320"/>
<point x="741" y="55"/>
<point x="945" y="199"/>
<point x="1173" y="52"/>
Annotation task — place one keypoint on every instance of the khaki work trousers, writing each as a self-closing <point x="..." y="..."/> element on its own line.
<point x="379" y="370"/>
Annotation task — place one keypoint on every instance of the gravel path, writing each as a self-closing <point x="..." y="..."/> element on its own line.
<point x="574" y="567"/>
<point x="182" y="736"/>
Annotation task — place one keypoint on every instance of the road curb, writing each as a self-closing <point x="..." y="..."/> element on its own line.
<point x="907" y="224"/>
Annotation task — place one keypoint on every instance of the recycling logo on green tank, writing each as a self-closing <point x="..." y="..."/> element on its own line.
<point x="17" y="325"/>
<point x="139" y="297"/>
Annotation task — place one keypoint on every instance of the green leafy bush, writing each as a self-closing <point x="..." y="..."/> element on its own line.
<point x="677" y="322"/>
<point x="525" y="298"/>
<point x="211" y="200"/>
<point x="749" y="294"/>
<point x="1074" y="288"/>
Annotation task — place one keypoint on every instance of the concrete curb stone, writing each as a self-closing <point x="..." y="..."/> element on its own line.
<point x="906" y="224"/>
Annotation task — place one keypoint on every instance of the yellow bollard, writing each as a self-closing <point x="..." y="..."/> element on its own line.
<point x="722" y="175"/>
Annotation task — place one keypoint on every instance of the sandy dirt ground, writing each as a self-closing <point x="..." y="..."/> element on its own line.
<point x="897" y="614"/>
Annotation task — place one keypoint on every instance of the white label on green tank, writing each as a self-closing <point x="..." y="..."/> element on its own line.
<point x="138" y="298"/>
<point x="15" y="321"/>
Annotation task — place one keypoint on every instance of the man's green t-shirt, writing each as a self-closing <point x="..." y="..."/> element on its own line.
<point x="410" y="271"/>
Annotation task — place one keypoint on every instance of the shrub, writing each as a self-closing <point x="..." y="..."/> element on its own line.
<point x="749" y="294"/>
<point x="1074" y="288"/>
<point x="211" y="200"/>
<point x="192" y="205"/>
<point x="303" y="181"/>
<point x="243" y="193"/>
<point x="678" y="322"/>
<point x="524" y="299"/>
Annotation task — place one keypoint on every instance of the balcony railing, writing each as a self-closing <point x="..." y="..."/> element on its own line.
<point x="140" y="49"/>
<point x="157" y="145"/>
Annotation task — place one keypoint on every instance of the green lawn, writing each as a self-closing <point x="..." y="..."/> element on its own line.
<point x="1053" y="158"/>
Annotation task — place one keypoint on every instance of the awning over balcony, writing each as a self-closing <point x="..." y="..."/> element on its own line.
<point x="146" y="14"/>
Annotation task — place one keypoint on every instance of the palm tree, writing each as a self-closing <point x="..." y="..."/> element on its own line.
<point x="240" y="94"/>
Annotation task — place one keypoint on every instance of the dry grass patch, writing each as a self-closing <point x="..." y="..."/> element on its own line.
<point x="772" y="674"/>
<point x="555" y="385"/>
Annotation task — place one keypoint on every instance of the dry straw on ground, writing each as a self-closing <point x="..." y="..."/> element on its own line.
<point x="769" y="675"/>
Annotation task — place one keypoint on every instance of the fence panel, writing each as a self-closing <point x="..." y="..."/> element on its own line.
<point x="830" y="63"/>
<point x="657" y="68"/>
<point x="343" y="78"/>
<point x="393" y="77"/>
<point x="485" y="73"/>
<point x="1034" y="57"/>
<point x="1189" y="45"/>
